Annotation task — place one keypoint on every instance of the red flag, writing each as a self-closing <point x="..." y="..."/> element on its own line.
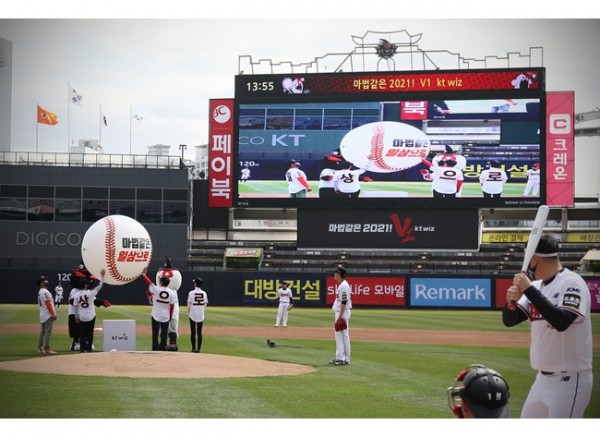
<point x="46" y="117"/>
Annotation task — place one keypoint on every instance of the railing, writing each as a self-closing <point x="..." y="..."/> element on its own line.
<point x="89" y="160"/>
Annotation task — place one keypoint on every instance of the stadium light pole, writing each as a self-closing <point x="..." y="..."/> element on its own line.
<point x="182" y="147"/>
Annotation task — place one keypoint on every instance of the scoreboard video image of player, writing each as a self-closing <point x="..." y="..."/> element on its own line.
<point x="466" y="138"/>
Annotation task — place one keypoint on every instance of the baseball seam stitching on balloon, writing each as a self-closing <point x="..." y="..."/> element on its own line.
<point x="109" y="243"/>
<point x="109" y="253"/>
<point x="377" y="148"/>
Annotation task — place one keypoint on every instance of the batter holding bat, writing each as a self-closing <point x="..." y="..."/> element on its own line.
<point x="557" y="305"/>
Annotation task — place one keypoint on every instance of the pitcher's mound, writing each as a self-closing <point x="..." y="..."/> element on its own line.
<point x="155" y="364"/>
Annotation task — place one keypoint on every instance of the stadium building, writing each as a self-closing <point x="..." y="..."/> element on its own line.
<point x="246" y="236"/>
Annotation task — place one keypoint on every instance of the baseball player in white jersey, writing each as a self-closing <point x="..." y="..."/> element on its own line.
<point x="557" y="305"/>
<point x="163" y="305"/>
<point x="341" y="309"/>
<point x="449" y="154"/>
<point x="492" y="180"/>
<point x="196" y="303"/>
<point x="245" y="174"/>
<point x="347" y="181"/>
<point x="85" y="313"/>
<point x="47" y="316"/>
<point x="74" y="327"/>
<point x="326" y="184"/>
<point x="58" y="295"/>
<point x="533" y="180"/>
<point x="296" y="178"/>
<point x="446" y="179"/>
<point x="285" y="298"/>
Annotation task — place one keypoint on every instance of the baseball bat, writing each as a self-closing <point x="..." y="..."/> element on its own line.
<point x="534" y="238"/>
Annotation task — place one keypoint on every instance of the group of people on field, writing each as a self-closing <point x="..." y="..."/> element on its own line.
<point x="83" y="301"/>
<point x="555" y="300"/>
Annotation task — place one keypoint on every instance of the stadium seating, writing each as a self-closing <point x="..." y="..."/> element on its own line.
<point x="492" y="258"/>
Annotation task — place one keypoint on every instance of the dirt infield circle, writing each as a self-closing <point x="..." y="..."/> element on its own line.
<point x="155" y="364"/>
<point x="140" y="364"/>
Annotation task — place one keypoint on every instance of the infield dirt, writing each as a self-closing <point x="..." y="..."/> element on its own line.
<point x="147" y="364"/>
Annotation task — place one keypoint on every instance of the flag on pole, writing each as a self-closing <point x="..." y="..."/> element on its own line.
<point x="137" y="117"/>
<point x="74" y="97"/>
<point x="103" y="122"/>
<point x="46" y="117"/>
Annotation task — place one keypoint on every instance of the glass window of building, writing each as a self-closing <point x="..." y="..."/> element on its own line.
<point x="149" y="205"/>
<point x="175" y="212"/>
<point x="308" y="119"/>
<point x="13" y="208"/>
<point x="252" y="118"/>
<point x="149" y="211"/>
<point x="40" y="203"/>
<point x="337" y="119"/>
<point x="122" y="201"/>
<point x="13" y="202"/>
<point x="67" y="206"/>
<point x="364" y="116"/>
<point x="68" y="210"/>
<point x="175" y="194"/>
<point x="280" y="119"/>
<point x="94" y="204"/>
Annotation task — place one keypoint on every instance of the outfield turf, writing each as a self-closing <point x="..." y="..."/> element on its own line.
<point x="385" y="380"/>
<point x="414" y="189"/>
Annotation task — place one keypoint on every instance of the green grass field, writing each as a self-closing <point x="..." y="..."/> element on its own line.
<point x="385" y="380"/>
<point x="414" y="189"/>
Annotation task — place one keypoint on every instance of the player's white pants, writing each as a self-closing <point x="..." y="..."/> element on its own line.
<point x="282" y="312"/>
<point x="532" y="185"/>
<point x="342" y="339"/>
<point x="562" y="395"/>
<point x="174" y="326"/>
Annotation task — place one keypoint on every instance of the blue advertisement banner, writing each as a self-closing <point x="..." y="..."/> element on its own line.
<point x="450" y="292"/>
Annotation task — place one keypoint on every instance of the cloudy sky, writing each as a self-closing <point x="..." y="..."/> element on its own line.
<point x="167" y="69"/>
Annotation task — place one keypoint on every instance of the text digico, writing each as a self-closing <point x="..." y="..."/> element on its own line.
<point x="72" y="239"/>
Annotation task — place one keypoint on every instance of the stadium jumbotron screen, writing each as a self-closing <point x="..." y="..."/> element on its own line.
<point x="465" y="138"/>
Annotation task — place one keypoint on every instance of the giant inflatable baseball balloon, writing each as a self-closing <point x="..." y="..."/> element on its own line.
<point x="118" y="244"/>
<point x="386" y="146"/>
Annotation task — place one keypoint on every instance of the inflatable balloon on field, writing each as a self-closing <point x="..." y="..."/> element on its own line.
<point x="118" y="244"/>
<point x="385" y="146"/>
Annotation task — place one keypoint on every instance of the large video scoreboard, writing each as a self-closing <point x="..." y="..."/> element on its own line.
<point x="402" y="138"/>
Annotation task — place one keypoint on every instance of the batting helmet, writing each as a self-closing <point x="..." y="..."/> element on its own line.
<point x="547" y="247"/>
<point x="485" y="391"/>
